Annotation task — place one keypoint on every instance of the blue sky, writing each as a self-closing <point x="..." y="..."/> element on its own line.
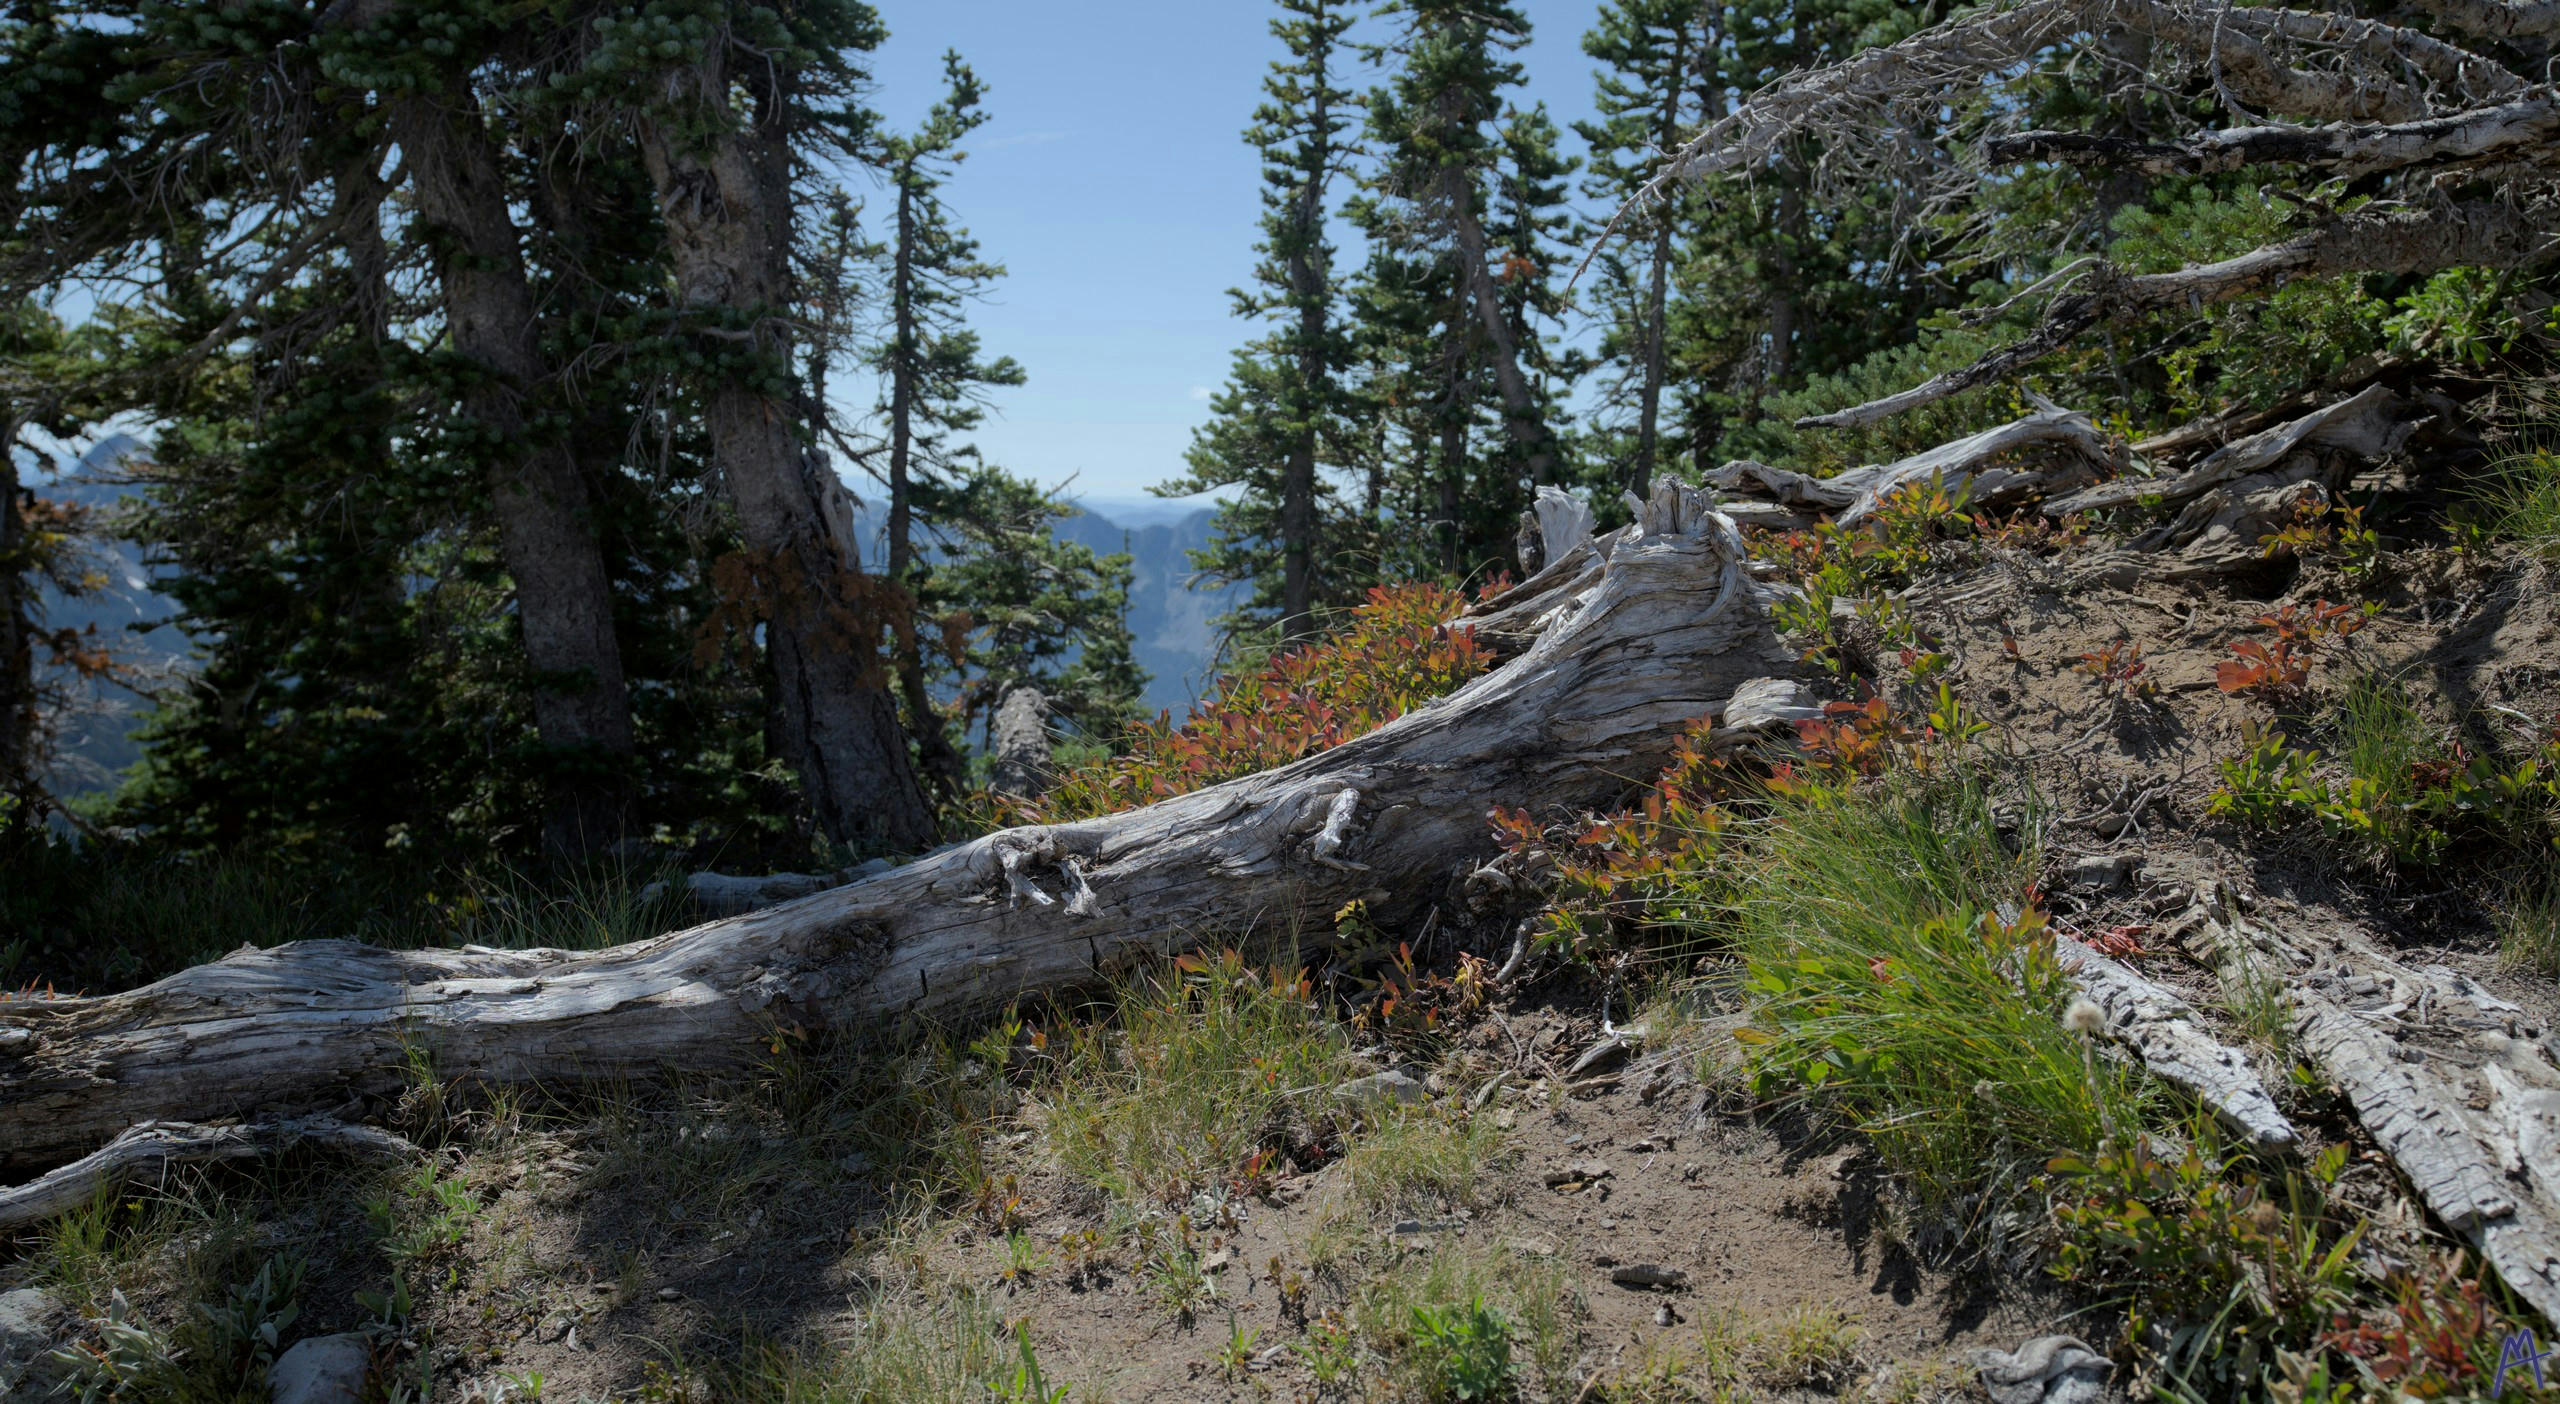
<point x="1114" y="185"/>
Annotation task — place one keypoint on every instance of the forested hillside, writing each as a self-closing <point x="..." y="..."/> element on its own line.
<point x="1882" y="722"/>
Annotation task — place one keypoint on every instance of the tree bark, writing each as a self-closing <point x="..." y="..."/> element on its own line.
<point x="564" y="598"/>
<point x="1521" y="419"/>
<point x="1658" y="286"/>
<point x="726" y="198"/>
<point x="941" y="762"/>
<point x="18" y="719"/>
<point x="1670" y="630"/>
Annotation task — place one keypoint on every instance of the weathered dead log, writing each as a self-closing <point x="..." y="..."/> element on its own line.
<point x="152" y="1147"/>
<point x="2454" y="1084"/>
<point x="2049" y="451"/>
<point x="2163" y="1031"/>
<point x="2369" y="424"/>
<point x="1665" y="628"/>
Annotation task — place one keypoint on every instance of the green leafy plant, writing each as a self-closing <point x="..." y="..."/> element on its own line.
<point x="2269" y="783"/>
<point x="1468" y="1349"/>
<point x="1028" y="1384"/>
<point x="2227" y="1263"/>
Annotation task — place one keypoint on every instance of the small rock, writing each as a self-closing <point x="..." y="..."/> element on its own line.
<point x="1580" y="1172"/>
<point x="1218" y="1261"/>
<point x="1663" y="1315"/>
<point x="1406" y="1226"/>
<point x="29" y="1319"/>
<point x="322" y="1370"/>
<point x="1646" y="1277"/>
<point x="1395" y="1086"/>
<point x="2046" y="1370"/>
<point x="2102" y="870"/>
<point x="1506" y="1119"/>
<point x="31" y="1322"/>
<point x="1647" y="1146"/>
<point x="669" y="1294"/>
<point x="1690" y="1170"/>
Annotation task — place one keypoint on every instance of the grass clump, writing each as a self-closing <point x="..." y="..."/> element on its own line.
<point x="2522" y="497"/>
<point x="1210" y="1070"/>
<point x="1901" y="977"/>
<point x="947" y="1346"/>
<point x="2529" y="929"/>
<point x="1456" y="1323"/>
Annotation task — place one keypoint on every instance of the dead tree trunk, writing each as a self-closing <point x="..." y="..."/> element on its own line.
<point x="1668" y="632"/>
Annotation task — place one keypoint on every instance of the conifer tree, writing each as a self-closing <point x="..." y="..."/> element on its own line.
<point x="732" y="105"/>
<point x="1435" y="126"/>
<point x="1661" y="77"/>
<point x="1027" y="609"/>
<point x="1284" y="402"/>
<point x="935" y="376"/>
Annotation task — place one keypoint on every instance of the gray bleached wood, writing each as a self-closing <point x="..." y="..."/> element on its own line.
<point x="1661" y="629"/>
<point x="152" y="1147"/>
<point x="2367" y="424"/>
<point x="2049" y="450"/>
<point x="2164" y="1032"/>
<point x="2451" y="1082"/>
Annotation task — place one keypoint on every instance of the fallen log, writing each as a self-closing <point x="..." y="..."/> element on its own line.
<point x="2368" y="424"/>
<point x="2048" y="451"/>
<point x="2164" y="1032"/>
<point x="1663" y="626"/>
<point x="2456" y="1086"/>
<point x="152" y="1147"/>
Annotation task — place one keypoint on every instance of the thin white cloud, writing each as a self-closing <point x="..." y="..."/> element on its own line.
<point x="1203" y="393"/>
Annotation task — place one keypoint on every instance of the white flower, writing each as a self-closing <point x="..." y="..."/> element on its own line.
<point x="2084" y="1017"/>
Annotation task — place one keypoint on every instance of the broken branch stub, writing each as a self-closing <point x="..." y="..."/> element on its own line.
<point x="1661" y="628"/>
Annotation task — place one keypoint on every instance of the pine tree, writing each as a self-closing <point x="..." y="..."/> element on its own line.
<point x="732" y="105"/>
<point x="1662" y="74"/>
<point x="1283" y="405"/>
<point x="935" y="375"/>
<point x="1436" y="127"/>
<point x="1024" y="608"/>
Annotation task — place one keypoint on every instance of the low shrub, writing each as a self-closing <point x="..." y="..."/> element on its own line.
<point x="1399" y="650"/>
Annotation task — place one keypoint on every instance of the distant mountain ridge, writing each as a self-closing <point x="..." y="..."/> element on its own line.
<point x="1174" y="623"/>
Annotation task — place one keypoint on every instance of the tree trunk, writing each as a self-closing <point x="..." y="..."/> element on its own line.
<point x="1662" y="626"/>
<point x="1521" y="419"/>
<point x="942" y="764"/>
<point x="1658" y="289"/>
<point x="1310" y="284"/>
<point x="18" y="718"/>
<point x="726" y="198"/>
<point x="564" y="600"/>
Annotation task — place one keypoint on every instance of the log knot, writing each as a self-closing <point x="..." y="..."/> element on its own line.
<point x="1015" y="859"/>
